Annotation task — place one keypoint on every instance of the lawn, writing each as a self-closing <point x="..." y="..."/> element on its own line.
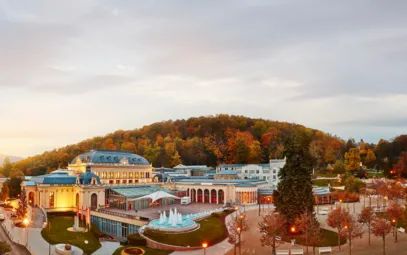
<point x="327" y="238"/>
<point x="148" y="251"/>
<point x="58" y="233"/>
<point x="212" y="230"/>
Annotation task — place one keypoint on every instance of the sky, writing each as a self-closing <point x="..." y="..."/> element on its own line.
<point x="71" y="70"/>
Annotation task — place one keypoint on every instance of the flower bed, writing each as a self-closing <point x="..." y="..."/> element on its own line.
<point x="132" y="251"/>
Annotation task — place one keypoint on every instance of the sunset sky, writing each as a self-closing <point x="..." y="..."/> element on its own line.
<point x="71" y="70"/>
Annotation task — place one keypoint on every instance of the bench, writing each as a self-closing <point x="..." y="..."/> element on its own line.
<point x="325" y="249"/>
<point x="282" y="252"/>
<point x="402" y="230"/>
<point x="297" y="252"/>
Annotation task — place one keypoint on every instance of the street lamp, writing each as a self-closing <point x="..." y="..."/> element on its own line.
<point x="26" y="222"/>
<point x="204" y="246"/>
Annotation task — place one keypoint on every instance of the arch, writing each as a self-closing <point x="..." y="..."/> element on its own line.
<point x="31" y="198"/>
<point x="200" y="195"/>
<point x="188" y="192"/>
<point x="214" y="199"/>
<point x="221" y="195"/>
<point x="193" y="195"/>
<point x="94" y="201"/>
<point x="77" y="200"/>
<point x="206" y="196"/>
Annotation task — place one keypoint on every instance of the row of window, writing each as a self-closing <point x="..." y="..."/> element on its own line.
<point x="122" y="175"/>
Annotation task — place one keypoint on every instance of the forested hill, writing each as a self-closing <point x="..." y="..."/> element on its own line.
<point x="205" y="140"/>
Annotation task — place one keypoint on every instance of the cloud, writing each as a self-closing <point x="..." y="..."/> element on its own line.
<point x="337" y="66"/>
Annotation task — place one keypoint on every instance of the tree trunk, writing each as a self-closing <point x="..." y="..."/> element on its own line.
<point x="274" y="245"/>
<point x="306" y="240"/>
<point x="350" y="246"/>
<point x="240" y="244"/>
<point x="235" y="248"/>
<point x="384" y="245"/>
<point x="339" y="239"/>
<point x="313" y="250"/>
<point x="368" y="229"/>
<point x="396" y="231"/>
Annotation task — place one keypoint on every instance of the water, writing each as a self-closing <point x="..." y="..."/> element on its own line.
<point x="176" y="220"/>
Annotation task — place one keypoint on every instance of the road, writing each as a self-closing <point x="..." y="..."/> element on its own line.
<point x="16" y="249"/>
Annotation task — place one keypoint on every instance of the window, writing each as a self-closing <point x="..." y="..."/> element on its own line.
<point x="124" y="181"/>
<point x="147" y="175"/>
<point x="130" y="181"/>
<point x="274" y="171"/>
<point x="124" y="175"/>
<point x="135" y="175"/>
<point x="257" y="171"/>
<point x="117" y="181"/>
<point x="97" y="173"/>
<point x="274" y="177"/>
<point x="51" y="199"/>
<point x="111" y="175"/>
<point x="117" y="175"/>
<point x="142" y="175"/>
<point x="130" y="175"/>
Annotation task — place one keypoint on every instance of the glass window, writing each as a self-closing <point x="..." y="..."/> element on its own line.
<point x="124" y="175"/>
<point x="117" y="175"/>
<point x="130" y="175"/>
<point x="135" y="175"/>
<point x="148" y="175"/>
<point x="51" y="199"/>
<point x="142" y="175"/>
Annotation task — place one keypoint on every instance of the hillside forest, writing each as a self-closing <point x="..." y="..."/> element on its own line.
<point x="212" y="140"/>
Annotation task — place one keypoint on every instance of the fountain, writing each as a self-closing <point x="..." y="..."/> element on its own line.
<point x="176" y="222"/>
<point x="76" y="227"/>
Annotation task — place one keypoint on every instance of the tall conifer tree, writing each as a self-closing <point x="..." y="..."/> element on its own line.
<point x="294" y="191"/>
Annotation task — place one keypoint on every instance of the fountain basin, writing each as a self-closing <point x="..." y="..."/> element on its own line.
<point x="186" y="226"/>
<point x="60" y="249"/>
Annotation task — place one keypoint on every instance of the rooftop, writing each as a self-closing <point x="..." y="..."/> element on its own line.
<point x="133" y="192"/>
<point x="227" y="172"/>
<point x="110" y="157"/>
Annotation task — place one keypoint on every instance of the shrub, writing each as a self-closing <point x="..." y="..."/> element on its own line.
<point x="96" y="232"/>
<point x="136" y="239"/>
<point x="4" y="247"/>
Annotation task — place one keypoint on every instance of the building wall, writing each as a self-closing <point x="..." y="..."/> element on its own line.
<point x="118" y="173"/>
<point x="64" y="196"/>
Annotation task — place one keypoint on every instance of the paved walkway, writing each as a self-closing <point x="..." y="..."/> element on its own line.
<point x="107" y="248"/>
<point x="16" y="249"/>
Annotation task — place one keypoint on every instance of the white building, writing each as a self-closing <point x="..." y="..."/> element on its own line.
<point x="268" y="172"/>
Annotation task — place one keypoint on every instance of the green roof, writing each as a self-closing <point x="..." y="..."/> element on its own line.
<point x="133" y="192"/>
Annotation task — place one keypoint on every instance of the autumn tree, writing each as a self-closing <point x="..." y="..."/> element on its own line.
<point x="351" y="229"/>
<point x="309" y="225"/>
<point x="370" y="158"/>
<point x="367" y="216"/>
<point x="380" y="228"/>
<point x="395" y="214"/>
<point x="23" y="204"/>
<point x="5" y="192"/>
<point x="294" y="191"/>
<point x="7" y="166"/>
<point x="337" y="219"/>
<point x="272" y="228"/>
<point x="237" y="225"/>
<point x="401" y="166"/>
<point x="339" y="167"/>
<point x="109" y="145"/>
<point x="352" y="160"/>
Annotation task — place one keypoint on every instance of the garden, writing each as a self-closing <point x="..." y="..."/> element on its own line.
<point x="326" y="238"/>
<point x="56" y="232"/>
<point x="212" y="230"/>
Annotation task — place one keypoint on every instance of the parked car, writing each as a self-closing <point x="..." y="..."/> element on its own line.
<point x="2" y="217"/>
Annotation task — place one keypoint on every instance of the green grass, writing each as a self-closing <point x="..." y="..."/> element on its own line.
<point x="59" y="234"/>
<point x="148" y="251"/>
<point x="327" y="238"/>
<point x="327" y="174"/>
<point x="212" y="230"/>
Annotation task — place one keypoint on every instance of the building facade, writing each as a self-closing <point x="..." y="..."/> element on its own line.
<point x="114" y="167"/>
<point x="268" y="172"/>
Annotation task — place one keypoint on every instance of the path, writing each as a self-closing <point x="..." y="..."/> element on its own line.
<point x="16" y="249"/>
